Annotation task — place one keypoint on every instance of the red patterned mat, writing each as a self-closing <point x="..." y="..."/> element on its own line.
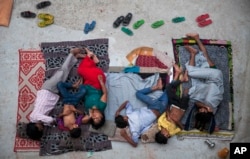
<point x="31" y="75"/>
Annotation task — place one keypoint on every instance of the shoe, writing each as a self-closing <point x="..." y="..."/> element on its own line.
<point x="45" y="23"/>
<point x="43" y="4"/>
<point x="139" y="23"/>
<point x="118" y="21"/>
<point x="127" y="31"/>
<point x="157" y="24"/>
<point x="178" y="19"/>
<point x="202" y="17"/>
<point x="45" y="16"/>
<point x="28" y="14"/>
<point x="205" y="23"/>
<point x="127" y="19"/>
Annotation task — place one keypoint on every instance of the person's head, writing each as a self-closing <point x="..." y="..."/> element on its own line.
<point x="202" y="118"/>
<point x="34" y="130"/>
<point x="97" y="119"/>
<point x="121" y="121"/>
<point x="161" y="138"/>
<point x="75" y="132"/>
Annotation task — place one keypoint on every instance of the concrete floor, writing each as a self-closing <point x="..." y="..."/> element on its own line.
<point x="231" y="21"/>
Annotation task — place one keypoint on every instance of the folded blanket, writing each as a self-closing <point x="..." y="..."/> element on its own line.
<point x="5" y="12"/>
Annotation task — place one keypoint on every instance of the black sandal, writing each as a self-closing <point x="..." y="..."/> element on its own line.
<point x="118" y="21"/>
<point x="43" y="4"/>
<point x="127" y="19"/>
<point x="28" y="14"/>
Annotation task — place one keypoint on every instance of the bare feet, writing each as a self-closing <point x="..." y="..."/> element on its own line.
<point x="77" y="84"/>
<point x="77" y="52"/>
<point x="193" y="35"/>
<point x="191" y="50"/>
<point x="177" y="69"/>
<point x="158" y="84"/>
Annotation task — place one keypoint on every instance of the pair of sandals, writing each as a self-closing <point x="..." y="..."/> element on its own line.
<point x="203" y="20"/>
<point x="41" y="5"/>
<point x="89" y="27"/>
<point x="123" y="20"/>
<point x="47" y="19"/>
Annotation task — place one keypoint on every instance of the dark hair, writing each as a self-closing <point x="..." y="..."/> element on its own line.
<point x="75" y="132"/>
<point x="120" y="122"/>
<point x="98" y="125"/>
<point x="202" y="119"/>
<point x="33" y="132"/>
<point x="160" y="138"/>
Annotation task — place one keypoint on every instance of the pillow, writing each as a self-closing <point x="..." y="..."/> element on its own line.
<point x="21" y="130"/>
<point x="149" y="135"/>
<point x="107" y="129"/>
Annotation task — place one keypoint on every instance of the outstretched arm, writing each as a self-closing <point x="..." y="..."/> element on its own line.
<point x="121" y="108"/>
<point x="124" y="134"/>
<point x="104" y="89"/>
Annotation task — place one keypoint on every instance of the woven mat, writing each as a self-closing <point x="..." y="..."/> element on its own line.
<point x="220" y="52"/>
<point x="31" y="75"/>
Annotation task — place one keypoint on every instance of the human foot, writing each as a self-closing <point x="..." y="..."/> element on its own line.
<point x="184" y="77"/>
<point x="177" y="69"/>
<point x="191" y="50"/>
<point x="193" y="35"/>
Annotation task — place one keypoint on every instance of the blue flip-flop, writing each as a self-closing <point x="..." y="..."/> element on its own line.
<point x="92" y="25"/>
<point x="86" y="28"/>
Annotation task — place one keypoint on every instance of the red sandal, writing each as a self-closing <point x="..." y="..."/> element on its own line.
<point x="202" y="17"/>
<point x="205" y="23"/>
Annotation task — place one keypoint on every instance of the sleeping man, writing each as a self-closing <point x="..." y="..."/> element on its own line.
<point x="207" y="83"/>
<point x="140" y="120"/>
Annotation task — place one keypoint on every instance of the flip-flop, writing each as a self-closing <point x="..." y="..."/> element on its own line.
<point x="139" y="23"/>
<point x="92" y="25"/>
<point x="45" y="23"/>
<point x="28" y="14"/>
<point x="127" y="31"/>
<point x="43" y="4"/>
<point x="202" y="17"/>
<point x="118" y="21"/>
<point x="86" y="28"/>
<point x="157" y="24"/>
<point x="127" y="19"/>
<point x="45" y="16"/>
<point x="205" y="23"/>
<point x="178" y="19"/>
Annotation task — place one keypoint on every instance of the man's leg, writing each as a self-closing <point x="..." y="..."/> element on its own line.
<point x="142" y="94"/>
<point x="196" y="37"/>
<point x="61" y="74"/>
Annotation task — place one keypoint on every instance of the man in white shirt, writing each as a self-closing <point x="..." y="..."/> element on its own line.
<point x="48" y="96"/>
<point x="139" y="120"/>
<point x="207" y="82"/>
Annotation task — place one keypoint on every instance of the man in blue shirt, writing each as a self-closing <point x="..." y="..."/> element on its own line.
<point x="140" y="120"/>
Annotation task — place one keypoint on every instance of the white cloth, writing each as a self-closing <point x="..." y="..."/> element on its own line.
<point x="207" y="83"/>
<point x="45" y="102"/>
